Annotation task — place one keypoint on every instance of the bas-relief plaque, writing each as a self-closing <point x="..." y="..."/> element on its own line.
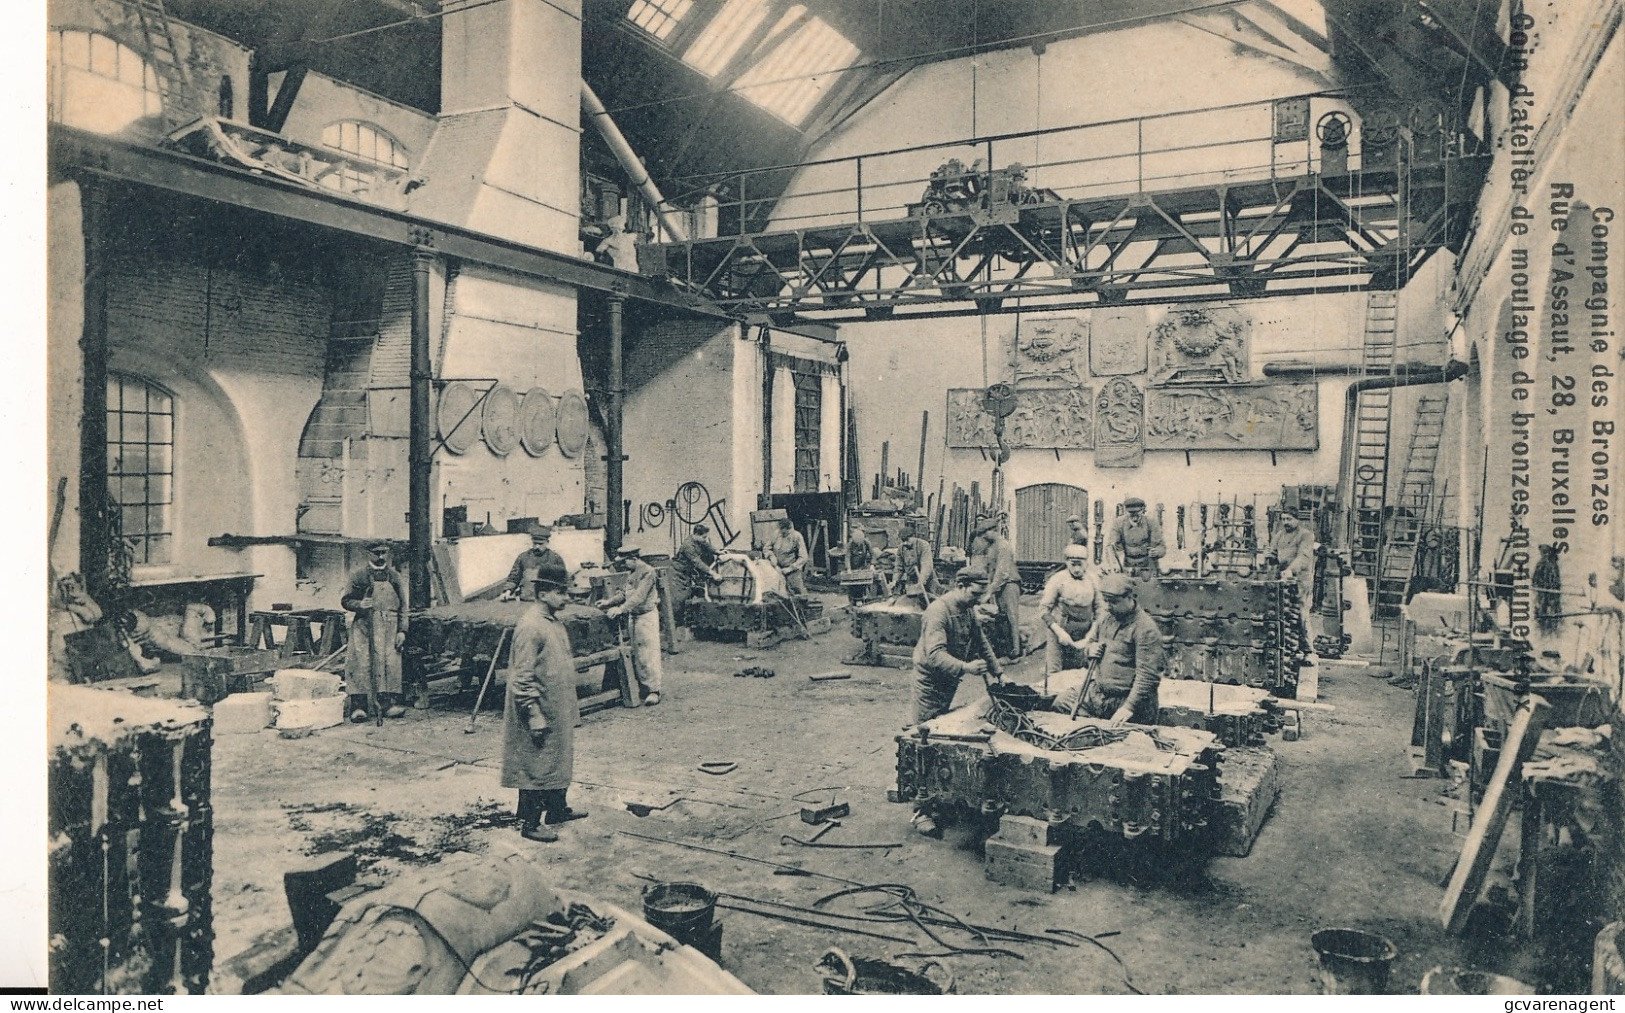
<point x="1120" y="425"/>
<point x="1233" y="417"/>
<point x="1061" y="418"/>
<point x="1117" y="340"/>
<point x="1200" y="344"/>
<point x="1049" y="350"/>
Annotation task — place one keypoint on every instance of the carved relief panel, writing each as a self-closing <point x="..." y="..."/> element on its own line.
<point x="1061" y="418"/>
<point x="1117" y="339"/>
<point x="1252" y="417"/>
<point x="1200" y="344"/>
<point x="1120" y="425"/>
<point x="1049" y="350"/>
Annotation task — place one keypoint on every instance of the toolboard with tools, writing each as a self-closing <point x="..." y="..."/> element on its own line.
<point x="461" y="640"/>
<point x="1229" y="629"/>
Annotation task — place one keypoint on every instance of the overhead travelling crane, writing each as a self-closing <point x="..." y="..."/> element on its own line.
<point x="1268" y="235"/>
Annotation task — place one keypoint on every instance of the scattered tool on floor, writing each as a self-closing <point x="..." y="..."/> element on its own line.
<point x="485" y="684"/>
<point x="830" y="676"/>
<point x="719" y="767"/>
<point x="823" y="814"/>
<point x="755" y="671"/>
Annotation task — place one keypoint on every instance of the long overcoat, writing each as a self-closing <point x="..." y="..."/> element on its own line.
<point x="541" y="694"/>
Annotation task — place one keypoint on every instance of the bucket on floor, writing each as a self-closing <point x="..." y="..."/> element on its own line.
<point x="684" y="911"/>
<point x="1353" y="962"/>
<point x="1463" y="981"/>
<point x="846" y="975"/>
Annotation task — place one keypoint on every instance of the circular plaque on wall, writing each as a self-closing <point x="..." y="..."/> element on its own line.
<point x="538" y="420"/>
<point x="459" y="423"/>
<point x="572" y="426"/>
<point x="501" y="420"/>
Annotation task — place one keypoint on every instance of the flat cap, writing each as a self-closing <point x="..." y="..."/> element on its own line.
<point x="378" y="543"/>
<point x="1075" y="519"/>
<point x="1075" y="551"/>
<point x="541" y="531"/>
<point x="1132" y="502"/>
<point x="628" y="552"/>
<point x="1116" y="585"/>
<point x="701" y="529"/>
<point x="970" y="575"/>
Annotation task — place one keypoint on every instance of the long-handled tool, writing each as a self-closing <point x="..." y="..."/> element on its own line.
<point x="629" y="684"/>
<point x="1083" y="691"/>
<point x="790" y="609"/>
<point x="490" y="673"/>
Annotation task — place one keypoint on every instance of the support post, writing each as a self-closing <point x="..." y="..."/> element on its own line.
<point x="615" y="491"/>
<point x="94" y="500"/>
<point x="420" y="533"/>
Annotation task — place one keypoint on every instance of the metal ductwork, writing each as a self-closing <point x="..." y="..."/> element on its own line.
<point x="594" y="110"/>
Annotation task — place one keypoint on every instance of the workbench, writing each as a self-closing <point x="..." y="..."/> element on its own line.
<point x="459" y="641"/>
<point x="220" y="591"/>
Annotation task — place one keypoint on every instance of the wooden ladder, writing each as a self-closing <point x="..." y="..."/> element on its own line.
<point x="173" y="80"/>
<point x="1404" y="530"/>
<point x="1373" y="424"/>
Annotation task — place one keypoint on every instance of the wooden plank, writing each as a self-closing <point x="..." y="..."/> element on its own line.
<point x="445" y="576"/>
<point x="1478" y="851"/>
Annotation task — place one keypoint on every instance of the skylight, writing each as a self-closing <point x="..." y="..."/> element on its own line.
<point x="794" y="76"/>
<point x="658" y="17"/>
<point x="724" y="35"/>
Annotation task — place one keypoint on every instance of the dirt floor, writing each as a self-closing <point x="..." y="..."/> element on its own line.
<point x="1352" y="842"/>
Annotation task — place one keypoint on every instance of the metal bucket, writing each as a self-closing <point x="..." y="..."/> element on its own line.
<point x="1353" y="962"/>
<point x="845" y="975"/>
<point x="1462" y="981"/>
<point x="684" y="911"/>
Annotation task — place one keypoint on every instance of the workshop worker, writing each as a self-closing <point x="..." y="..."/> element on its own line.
<point x="1128" y="646"/>
<point x="1077" y="530"/>
<point x="945" y="653"/>
<point x="860" y="555"/>
<point x="1293" y="548"/>
<point x="540" y="714"/>
<point x="372" y="666"/>
<point x="1136" y="540"/>
<point x="1069" y="605"/>
<point x="913" y="567"/>
<point x="641" y="601"/>
<point x="693" y="567"/>
<point x="789" y="554"/>
<point x="998" y="560"/>
<point x="530" y="562"/>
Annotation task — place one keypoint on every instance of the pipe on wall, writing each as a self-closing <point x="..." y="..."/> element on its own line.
<point x="614" y="485"/>
<point x="1404" y="375"/>
<point x="419" y="526"/>
<point x="594" y="110"/>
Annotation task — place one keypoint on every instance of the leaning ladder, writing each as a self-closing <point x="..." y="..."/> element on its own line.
<point x="1415" y="504"/>
<point x="1373" y="423"/>
<point x="161" y="52"/>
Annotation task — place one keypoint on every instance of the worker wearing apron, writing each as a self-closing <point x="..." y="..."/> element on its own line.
<point x="540" y="714"/>
<point x="1071" y="601"/>
<point x="520" y="579"/>
<point x="372" y="668"/>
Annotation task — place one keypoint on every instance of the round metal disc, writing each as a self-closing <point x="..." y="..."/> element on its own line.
<point x="538" y="421"/>
<point x="501" y="420"/>
<point x="459" y="423"/>
<point x="572" y="426"/>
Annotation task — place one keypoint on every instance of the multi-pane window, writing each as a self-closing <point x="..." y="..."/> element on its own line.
<point x="141" y="465"/>
<point x="809" y="428"/>
<point x="790" y="80"/>
<point x="365" y="141"/>
<point x="724" y="34"/>
<point x="97" y="83"/>
<point x="658" y="17"/>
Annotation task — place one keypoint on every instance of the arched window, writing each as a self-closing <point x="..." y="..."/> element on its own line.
<point x="97" y="83"/>
<point x="360" y="140"/>
<point x="141" y="466"/>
